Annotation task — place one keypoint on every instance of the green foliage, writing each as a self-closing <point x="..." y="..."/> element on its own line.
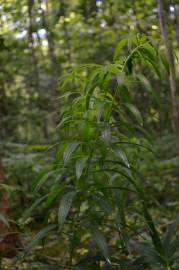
<point x="89" y="153"/>
<point x="97" y="184"/>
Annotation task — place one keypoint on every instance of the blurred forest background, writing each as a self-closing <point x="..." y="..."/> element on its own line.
<point x="40" y="42"/>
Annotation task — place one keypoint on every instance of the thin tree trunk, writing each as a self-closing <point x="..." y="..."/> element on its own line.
<point x="176" y="24"/>
<point x="35" y="59"/>
<point x="51" y="46"/>
<point x="172" y="72"/>
<point x="31" y="42"/>
<point x="66" y="34"/>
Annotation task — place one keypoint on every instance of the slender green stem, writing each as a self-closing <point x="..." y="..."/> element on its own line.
<point x="130" y="55"/>
<point x="168" y="267"/>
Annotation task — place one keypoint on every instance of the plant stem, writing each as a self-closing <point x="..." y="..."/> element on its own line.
<point x="172" y="70"/>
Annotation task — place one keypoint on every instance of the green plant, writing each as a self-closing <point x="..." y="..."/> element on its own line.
<point x="101" y="193"/>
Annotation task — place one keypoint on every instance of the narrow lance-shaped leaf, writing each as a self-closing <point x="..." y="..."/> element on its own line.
<point x="64" y="207"/>
<point x="59" y="154"/>
<point x="152" y="230"/>
<point x="145" y="82"/>
<point x="135" y="112"/>
<point x="80" y="165"/>
<point x="43" y="179"/>
<point x="170" y="233"/>
<point x="69" y="150"/>
<point x="39" y="236"/>
<point x="90" y="86"/>
<point x="119" y="47"/>
<point x="53" y="195"/>
<point x="149" y="254"/>
<point x="121" y="154"/>
<point x="33" y="206"/>
<point x="100" y="240"/>
<point x="173" y="246"/>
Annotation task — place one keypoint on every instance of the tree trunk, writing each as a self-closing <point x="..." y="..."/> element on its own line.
<point x="31" y="43"/>
<point x="51" y="45"/>
<point x="172" y="73"/>
<point x="176" y="25"/>
<point x="66" y="34"/>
